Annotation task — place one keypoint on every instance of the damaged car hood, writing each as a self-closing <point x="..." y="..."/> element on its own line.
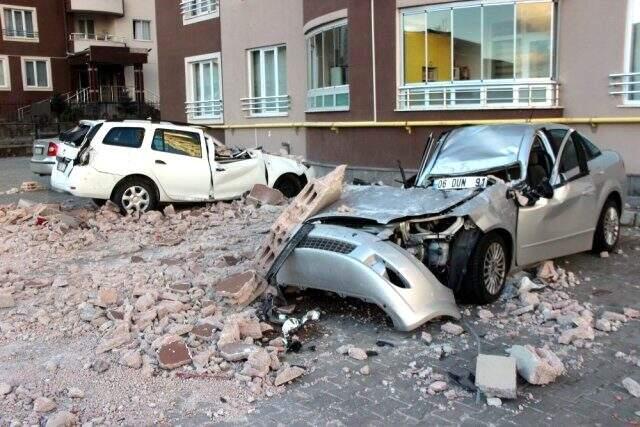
<point x="385" y="204"/>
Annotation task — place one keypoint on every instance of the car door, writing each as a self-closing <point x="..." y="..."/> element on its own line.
<point x="232" y="177"/>
<point x="179" y="163"/>
<point x="562" y="224"/>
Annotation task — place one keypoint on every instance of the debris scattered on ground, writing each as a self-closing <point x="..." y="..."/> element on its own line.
<point x="632" y="386"/>
<point x="262" y="195"/>
<point x="496" y="376"/>
<point x="536" y="365"/>
<point x="452" y="328"/>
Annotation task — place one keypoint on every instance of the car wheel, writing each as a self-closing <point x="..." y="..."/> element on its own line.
<point x="487" y="270"/>
<point x="608" y="228"/>
<point x="289" y="185"/>
<point x="136" y="194"/>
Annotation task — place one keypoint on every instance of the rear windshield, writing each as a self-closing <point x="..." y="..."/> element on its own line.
<point x="75" y="135"/>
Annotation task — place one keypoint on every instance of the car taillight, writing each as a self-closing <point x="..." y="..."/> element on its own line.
<point x="52" y="150"/>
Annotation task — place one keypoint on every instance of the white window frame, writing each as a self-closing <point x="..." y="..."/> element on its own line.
<point x="188" y="61"/>
<point x="133" y="28"/>
<point x="188" y="20"/>
<point x="628" y="75"/>
<point x="7" y="73"/>
<point x="34" y="14"/>
<point x="280" y="102"/>
<point x="328" y="90"/>
<point x="83" y="31"/>
<point x="24" y="60"/>
<point x="549" y="85"/>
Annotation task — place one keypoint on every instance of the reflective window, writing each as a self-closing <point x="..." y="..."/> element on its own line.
<point x="589" y="147"/>
<point x="533" y="40"/>
<point x="415" y="67"/>
<point x="634" y="57"/>
<point x="268" y="86"/>
<point x="124" y="137"/>
<point x="467" y="49"/>
<point x="439" y="46"/>
<point x="498" y="41"/>
<point x="177" y="142"/>
<point x="569" y="163"/>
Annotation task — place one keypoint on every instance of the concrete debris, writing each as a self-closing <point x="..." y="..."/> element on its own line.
<point x="357" y="353"/>
<point x="631" y="386"/>
<point x="174" y="355"/>
<point x="29" y="186"/>
<point x="496" y="376"/>
<point x="603" y="325"/>
<point x="579" y="333"/>
<point x="631" y="313"/>
<point x="236" y="351"/>
<point x="75" y="393"/>
<point x="452" y="328"/>
<point x="344" y="349"/>
<point x="614" y="317"/>
<point x="604" y="254"/>
<point x="62" y="419"/>
<point x="365" y="370"/>
<point x="426" y="337"/>
<point x="7" y="300"/>
<point x="438" y="386"/>
<point x="547" y="271"/>
<point x="242" y="288"/>
<point x="485" y="314"/>
<point x="494" y="401"/>
<point x="262" y="195"/>
<point x="44" y="404"/>
<point x="288" y="374"/>
<point x="5" y="388"/>
<point x="536" y="365"/>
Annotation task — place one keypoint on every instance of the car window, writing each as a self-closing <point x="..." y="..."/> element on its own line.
<point x="572" y="161"/>
<point x="591" y="151"/>
<point x="75" y="135"/>
<point x="92" y="132"/>
<point x="124" y="137"/>
<point x="177" y="142"/>
<point x="557" y="136"/>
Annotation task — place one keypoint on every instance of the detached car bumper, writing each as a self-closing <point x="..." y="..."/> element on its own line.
<point x="358" y="264"/>
<point x="42" y="166"/>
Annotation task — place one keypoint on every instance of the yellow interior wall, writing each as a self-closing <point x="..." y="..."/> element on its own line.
<point x="439" y="46"/>
<point x="414" y="56"/>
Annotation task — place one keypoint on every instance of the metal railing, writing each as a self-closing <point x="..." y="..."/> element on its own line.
<point x="96" y="37"/>
<point x="80" y="96"/>
<point x="20" y="34"/>
<point x="627" y="85"/>
<point x="462" y="95"/>
<point x="332" y="98"/>
<point x="195" y="8"/>
<point x="204" y="109"/>
<point x="265" y="106"/>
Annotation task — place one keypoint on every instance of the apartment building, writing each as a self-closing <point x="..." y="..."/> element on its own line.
<point x="91" y="51"/>
<point x="365" y="82"/>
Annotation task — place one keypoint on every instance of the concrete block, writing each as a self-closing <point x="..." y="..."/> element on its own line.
<point x="262" y="195"/>
<point x="496" y="376"/>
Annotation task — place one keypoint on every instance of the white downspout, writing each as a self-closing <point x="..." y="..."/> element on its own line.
<point x="373" y="58"/>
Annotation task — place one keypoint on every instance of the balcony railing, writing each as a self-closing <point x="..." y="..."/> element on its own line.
<point x="202" y="110"/>
<point x="19" y="34"/>
<point x="332" y="98"/>
<point x="266" y="106"/>
<point x="626" y="85"/>
<point x="463" y="96"/>
<point x="97" y="37"/>
<point x="112" y="7"/>
<point x="196" y="8"/>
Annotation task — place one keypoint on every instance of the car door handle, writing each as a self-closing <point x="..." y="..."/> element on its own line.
<point x="160" y="162"/>
<point x="220" y="169"/>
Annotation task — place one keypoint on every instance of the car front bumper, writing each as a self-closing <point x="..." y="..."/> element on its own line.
<point x="42" y="166"/>
<point x="357" y="264"/>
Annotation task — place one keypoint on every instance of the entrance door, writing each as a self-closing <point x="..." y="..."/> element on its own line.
<point x="563" y="224"/>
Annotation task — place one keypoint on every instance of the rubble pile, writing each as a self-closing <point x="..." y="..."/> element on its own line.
<point x="149" y="294"/>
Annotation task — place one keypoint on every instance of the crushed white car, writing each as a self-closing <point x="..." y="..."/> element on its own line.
<point x="140" y="164"/>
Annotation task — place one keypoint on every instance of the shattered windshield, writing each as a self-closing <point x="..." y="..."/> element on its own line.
<point x="474" y="149"/>
<point x="75" y="135"/>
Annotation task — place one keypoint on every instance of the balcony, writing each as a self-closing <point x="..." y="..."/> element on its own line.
<point x="478" y="96"/>
<point x="196" y="10"/>
<point x="266" y="106"/>
<point x="626" y="85"/>
<point x="110" y="7"/>
<point x="332" y="98"/>
<point x="204" y="110"/>
<point x="82" y="41"/>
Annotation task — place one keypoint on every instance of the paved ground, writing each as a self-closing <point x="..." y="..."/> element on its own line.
<point x="590" y="394"/>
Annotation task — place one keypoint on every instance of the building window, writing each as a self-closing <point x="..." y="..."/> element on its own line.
<point x="199" y="10"/>
<point x="204" y="83"/>
<point x="328" y="68"/>
<point x="19" y="24"/>
<point x="141" y="30"/>
<point x="478" y="54"/>
<point x="86" y="28"/>
<point x="5" y="76"/>
<point x="36" y="74"/>
<point x="267" y="82"/>
<point x="628" y="83"/>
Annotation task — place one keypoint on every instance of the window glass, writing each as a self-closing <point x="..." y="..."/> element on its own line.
<point x="634" y="21"/>
<point x="569" y="164"/>
<point x="282" y="70"/>
<point x="3" y="81"/>
<point x="439" y="46"/>
<point x="141" y="30"/>
<point x="328" y="58"/>
<point x="176" y="142"/>
<point x="466" y="43"/>
<point x="269" y="80"/>
<point x="41" y="74"/>
<point x="205" y="94"/>
<point x="533" y="40"/>
<point x="498" y="42"/>
<point x="124" y="137"/>
<point x="19" y="23"/>
<point x="557" y="136"/>
<point x="92" y="132"/>
<point x="31" y="73"/>
<point x="589" y="147"/>
<point x="414" y="33"/>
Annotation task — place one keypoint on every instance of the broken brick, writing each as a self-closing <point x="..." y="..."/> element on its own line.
<point x="203" y="331"/>
<point x="536" y="365"/>
<point x="262" y="195"/>
<point x="236" y="351"/>
<point x="174" y="355"/>
<point x="288" y="374"/>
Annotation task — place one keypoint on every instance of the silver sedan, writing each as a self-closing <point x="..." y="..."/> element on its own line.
<point x="486" y="200"/>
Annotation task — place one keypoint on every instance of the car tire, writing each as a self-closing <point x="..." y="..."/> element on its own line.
<point x="487" y="270"/>
<point x="608" y="228"/>
<point x="289" y="185"/>
<point x="99" y="202"/>
<point x="135" y="194"/>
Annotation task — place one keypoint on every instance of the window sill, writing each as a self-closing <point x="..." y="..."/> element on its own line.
<point x="480" y="108"/>
<point x="38" y="89"/>
<point x="213" y="120"/>
<point x="266" y="115"/>
<point x="327" y="110"/>
<point x="21" y="39"/>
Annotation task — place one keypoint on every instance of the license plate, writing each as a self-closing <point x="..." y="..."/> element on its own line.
<point x="459" y="183"/>
<point x="38" y="151"/>
<point x="62" y="166"/>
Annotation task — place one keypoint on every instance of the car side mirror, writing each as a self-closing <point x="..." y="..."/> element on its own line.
<point x="545" y="189"/>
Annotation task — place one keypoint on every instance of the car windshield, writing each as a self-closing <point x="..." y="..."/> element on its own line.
<point x="474" y="150"/>
<point x="75" y="135"/>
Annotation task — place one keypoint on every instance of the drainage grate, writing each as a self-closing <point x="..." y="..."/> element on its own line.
<point x="329" y="245"/>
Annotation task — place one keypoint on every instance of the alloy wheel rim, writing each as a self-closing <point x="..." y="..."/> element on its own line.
<point x="135" y="198"/>
<point x="494" y="268"/>
<point x="611" y="226"/>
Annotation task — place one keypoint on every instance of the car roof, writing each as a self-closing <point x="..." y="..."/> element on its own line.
<point x="148" y="124"/>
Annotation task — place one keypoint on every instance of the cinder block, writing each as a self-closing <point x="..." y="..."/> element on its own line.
<point x="496" y="376"/>
<point x="315" y="196"/>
